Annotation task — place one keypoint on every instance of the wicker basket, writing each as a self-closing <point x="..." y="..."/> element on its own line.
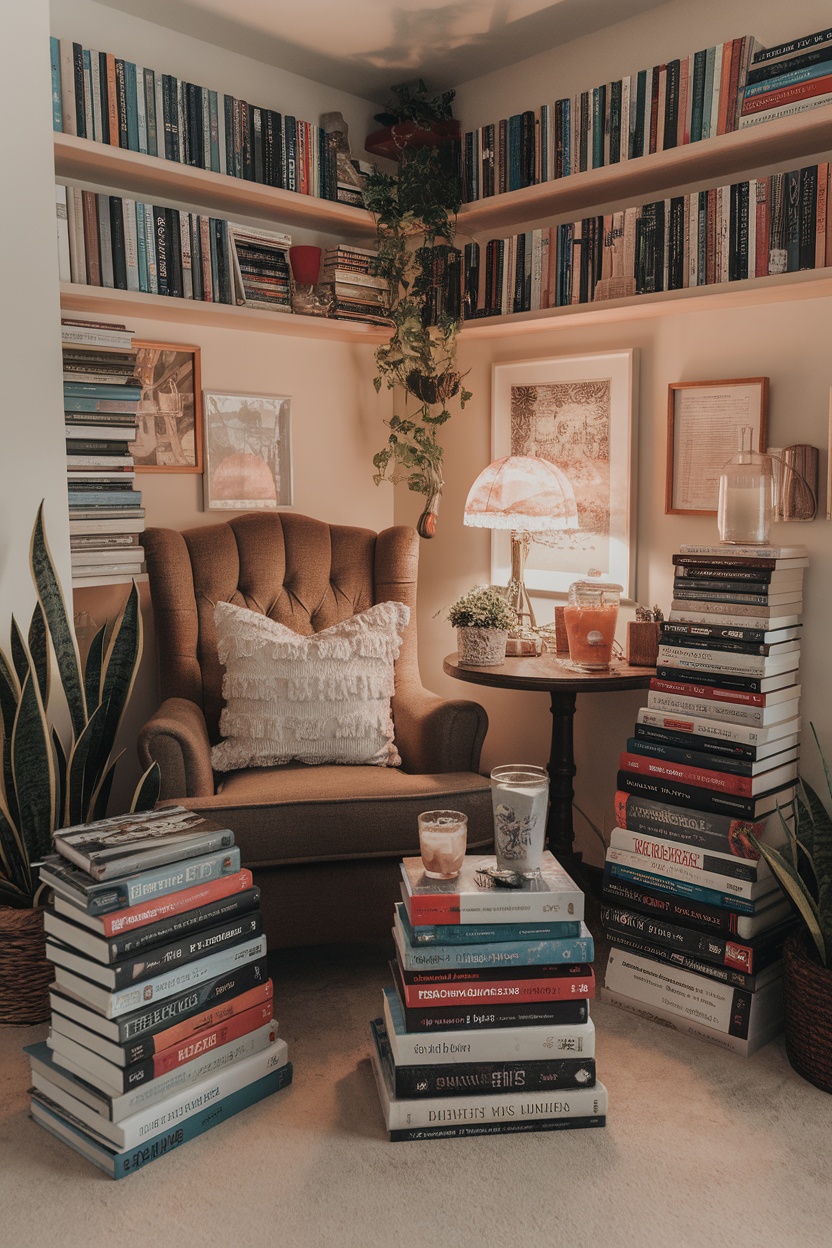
<point x="808" y="1002"/>
<point x="25" y="974"/>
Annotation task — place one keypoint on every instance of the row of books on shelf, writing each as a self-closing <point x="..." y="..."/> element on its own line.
<point x="101" y="401"/>
<point x="485" y="1026"/>
<point x="774" y="224"/>
<point x="715" y="91"/>
<point x="669" y="105"/>
<point x="695" y="917"/>
<point x="125" y="244"/>
<point x="162" y="1008"/>
<point x="108" y="99"/>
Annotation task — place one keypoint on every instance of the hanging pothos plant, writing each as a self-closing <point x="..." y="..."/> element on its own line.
<point x="415" y="213"/>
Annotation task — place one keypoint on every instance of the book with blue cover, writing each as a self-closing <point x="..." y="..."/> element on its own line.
<point x="482" y="934"/>
<point x="580" y="948"/>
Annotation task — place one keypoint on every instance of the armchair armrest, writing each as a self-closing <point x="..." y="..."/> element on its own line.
<point x="435" y="735"/>
<point x="177" y="739"/>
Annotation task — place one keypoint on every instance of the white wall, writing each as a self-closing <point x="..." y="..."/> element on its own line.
<point x="788" y="343"/>
<point x="32" y="461"/>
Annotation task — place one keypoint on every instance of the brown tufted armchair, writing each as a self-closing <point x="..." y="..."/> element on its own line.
<point x="324" y="842"/>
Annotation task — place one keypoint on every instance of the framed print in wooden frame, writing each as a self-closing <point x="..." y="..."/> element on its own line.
<point x="169" y="416"/>
<point x="248" y="452"/>
<point x="703" y="422"/>
<point x="577" y="412"/>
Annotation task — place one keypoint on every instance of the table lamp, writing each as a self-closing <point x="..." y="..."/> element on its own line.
<point x="526" y="495"/>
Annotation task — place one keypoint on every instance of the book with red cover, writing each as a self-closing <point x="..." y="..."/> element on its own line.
<point x="724" y="781"/>
<point x="494" y="986"/>
<point x="159" y="908"/>
<point x="714" y="693"/>
<point x="551" y="896"/>
<point x="788" y="95"/>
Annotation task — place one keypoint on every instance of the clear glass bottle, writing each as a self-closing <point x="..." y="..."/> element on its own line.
<point x="746" y="495"/>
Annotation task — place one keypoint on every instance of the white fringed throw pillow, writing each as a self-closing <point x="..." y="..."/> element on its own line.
<point x="318" y="699"/>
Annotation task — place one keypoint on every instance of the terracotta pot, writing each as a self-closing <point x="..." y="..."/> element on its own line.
<point x="807" y="988"/>
<point x="481" y="647"/>
<point x="428" y="520"/>
<point x="25" y="974"/>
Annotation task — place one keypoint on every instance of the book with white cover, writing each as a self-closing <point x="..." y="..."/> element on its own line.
<point x="707" y="726"/>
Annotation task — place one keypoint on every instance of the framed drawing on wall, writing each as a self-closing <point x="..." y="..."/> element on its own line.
<point x="703" y="423"/>
<point x="577" y="412"/>
<point x="248" y="454"/>
<point x="169" y="416"/>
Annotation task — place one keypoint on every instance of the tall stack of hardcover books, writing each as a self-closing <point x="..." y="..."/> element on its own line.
<point x="695" y="916"/>
<point x="486" y="1025"/>
<point x="791" y="78"/>
<point x="358" y="294"/>
<point x="101" y="399"/>
<point x="162" y="1007"/>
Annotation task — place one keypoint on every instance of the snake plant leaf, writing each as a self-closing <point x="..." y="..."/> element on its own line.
<point x="121" y="661"/>
<point x="101" y="796"/>
<point x="826" y="771"/>
<point x="39" y="650"/>
<point x="795" y="889"/>
<point x="821" y="852"/>
<point x="33" y="771"/>
<point x="9" y="699"/>
<point x="15" y="898"/>
<point x="88" y="744"/>
<point x="60" y="776"/>
<point x="14" y="861"/>
<point x="92" y="670"/>
<point x="20" y="657"/>
<point x="51" y="598"/>
<point x="148" y="789"/>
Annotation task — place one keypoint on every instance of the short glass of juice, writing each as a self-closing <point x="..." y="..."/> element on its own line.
<point x="590" y="615"/>
<point x="443" y="836"/>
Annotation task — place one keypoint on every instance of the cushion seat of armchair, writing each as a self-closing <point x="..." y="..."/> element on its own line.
<point x="297" y="813"/>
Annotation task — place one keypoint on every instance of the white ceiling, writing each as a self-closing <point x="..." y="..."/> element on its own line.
<point x="365" y="46"/>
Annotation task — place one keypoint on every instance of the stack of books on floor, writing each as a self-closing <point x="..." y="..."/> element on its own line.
<point x="696" y="918"/>
<point x="486" y="1026"/>
<point x="162" y="1007"/>
<point x="358" y="295"/>
<point x="101" y="398"/>
<point x="791" y="78"/>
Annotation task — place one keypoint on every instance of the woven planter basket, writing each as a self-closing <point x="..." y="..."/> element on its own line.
<point x="808" y="1004"/>
<point x="25" y="974"/>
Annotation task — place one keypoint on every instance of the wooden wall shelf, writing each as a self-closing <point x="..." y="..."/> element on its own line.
<point x="102" y="300"/>
<point x="727" y="157"/>
<point x="150" y="177"/>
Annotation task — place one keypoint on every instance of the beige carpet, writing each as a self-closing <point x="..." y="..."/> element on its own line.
<point x="702" y="1149"/>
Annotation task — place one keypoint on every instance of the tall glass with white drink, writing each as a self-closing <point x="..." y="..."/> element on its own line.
<point x="520" y="797"/>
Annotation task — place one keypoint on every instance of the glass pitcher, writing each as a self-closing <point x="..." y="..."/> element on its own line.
<point x="590" y="615"/>
<point x="746" y="495"/>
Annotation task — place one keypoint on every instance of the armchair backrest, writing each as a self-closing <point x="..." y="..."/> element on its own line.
<point x="301" y="572"/>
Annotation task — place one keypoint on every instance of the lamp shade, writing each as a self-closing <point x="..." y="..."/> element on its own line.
<point x="521" y="492"/>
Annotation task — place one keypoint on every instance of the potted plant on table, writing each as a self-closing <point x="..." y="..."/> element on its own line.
<point x="803" y="867"/>
<point x="46" y="781"/>
<point x="415" y="213"/>
<point x="482" y="619"/>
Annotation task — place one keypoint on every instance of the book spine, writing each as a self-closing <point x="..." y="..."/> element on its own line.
<point x="686" y="685"/>
<point x="726" y="782"/>
<point x="784" y="51"/>
<point x="654" y="899"/>
<point x="520" y="953"/>
<point x="122" y="894"/>
<point x="437" y="1018"/>
<point x="694" y="796"/>
<point x="627" y="942"/>
<point x="156" y="912"/>
<point x="472" y="1078"/>
<point x="223" y="909"/>
<point x="498" y="991"/>
<point x="706" y="708"/>
<point x="634" y="874"/>
<point x="669" y="852"/>
<point x="720" y="950"/>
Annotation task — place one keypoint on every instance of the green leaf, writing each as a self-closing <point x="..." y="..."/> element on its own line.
<point x="83" y="770"/>
<point x="795" y="889"/>
<point x="92" y="670"/>
<point x="19" y="656"/>
<point x="148" y="789"/>
<point x="60" y="778"/>
<point x="13" y="856"/>
<point x="51" y="598"/>
<point x="33" y="770"/>
<point x="9" y="699"/>
<point x="39" y="650"/>
<point x="101" y="796"/>
<point x="120" y="665"/>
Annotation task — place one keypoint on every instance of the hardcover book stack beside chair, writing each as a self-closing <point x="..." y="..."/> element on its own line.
<point x="695" y="916"/>
<point x="486" y="1025"/>
<point x="162" y="1008"/>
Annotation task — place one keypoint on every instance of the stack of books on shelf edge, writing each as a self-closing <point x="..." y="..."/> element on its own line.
<point x="98" y="96"/>
<point x="791" y="78"/>
<point x="162" y="1008"/>
<point x="486" y="1026"/>
<point x="695" y="917"/>
<point x="779" y="223"/>
<point x="357" y="293"/>
<point x="670" y="105"/>
<point x="101" y="399"/>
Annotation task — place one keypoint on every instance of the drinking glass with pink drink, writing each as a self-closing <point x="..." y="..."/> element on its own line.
<point x="590" y="615"/>
<point x="443" y="836"/>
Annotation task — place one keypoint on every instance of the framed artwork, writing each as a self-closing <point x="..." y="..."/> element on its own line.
<point x="169" y="418"/>
<point x="703" y="422"/>
<point x="577" y="412"/>
<point x="248" y="454"/>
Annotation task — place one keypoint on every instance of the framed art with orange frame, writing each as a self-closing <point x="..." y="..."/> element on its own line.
<point x="703" y="423"/>
<point x="169" y="415"/>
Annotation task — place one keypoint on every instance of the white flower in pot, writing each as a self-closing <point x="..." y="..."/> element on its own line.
<point x="482" y="619"/>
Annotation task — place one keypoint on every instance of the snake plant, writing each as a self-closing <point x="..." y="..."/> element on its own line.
<point x="51" y="780"/>
<point x="803" y="866"/>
